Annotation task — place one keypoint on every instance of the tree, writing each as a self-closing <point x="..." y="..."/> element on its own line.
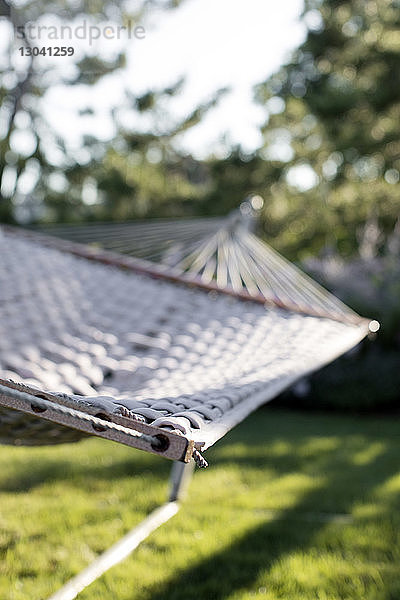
<point x="142" y="174"/>
<point x="40" y="177"/>
<point x="334" y="126"/>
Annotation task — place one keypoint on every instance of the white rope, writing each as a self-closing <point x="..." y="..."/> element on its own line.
<point x="71" y="412"/>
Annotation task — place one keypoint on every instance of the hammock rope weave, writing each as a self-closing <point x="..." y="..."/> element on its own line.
<point x="41" y="403"/>
<point x="121" y="334"/>
<point x="228" y="258"/>
<point x="157" y="442"/>
<point x="152" y="240"/>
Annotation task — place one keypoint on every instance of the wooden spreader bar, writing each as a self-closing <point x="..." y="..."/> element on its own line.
<point x="91" y="420"/>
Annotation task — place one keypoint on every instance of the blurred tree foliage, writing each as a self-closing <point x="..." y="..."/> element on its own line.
<point x="140" y="173"/>
<point x="333" y="129"/>
<point x="23" y="83"/>
<point x="40" y="177"/>
<point x="328" y="168"/>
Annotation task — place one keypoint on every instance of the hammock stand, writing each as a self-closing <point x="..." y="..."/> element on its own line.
<point x="185" y="386"/>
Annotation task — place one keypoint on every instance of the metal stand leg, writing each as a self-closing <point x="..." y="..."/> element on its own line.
<point x="181" y="474"/>
<point x="179" y="480"/>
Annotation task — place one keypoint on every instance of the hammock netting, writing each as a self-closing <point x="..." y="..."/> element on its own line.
<point x="154" y="240"/>
<point x="190" y="346"/>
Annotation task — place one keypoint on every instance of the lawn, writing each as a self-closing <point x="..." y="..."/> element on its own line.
<point x="293" y="506"/>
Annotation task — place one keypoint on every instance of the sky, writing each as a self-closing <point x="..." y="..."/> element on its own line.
<point x="213" y="44"/>
<point x="219" y="43"/>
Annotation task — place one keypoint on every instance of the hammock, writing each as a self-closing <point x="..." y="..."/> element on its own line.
<point x="166" y="357"/>
<point x="143" y="347"/>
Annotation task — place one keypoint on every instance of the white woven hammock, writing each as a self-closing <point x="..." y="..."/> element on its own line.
<point x="152" y="348"/>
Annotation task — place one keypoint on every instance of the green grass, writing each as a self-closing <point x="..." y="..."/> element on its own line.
<point x="294" y="506"/>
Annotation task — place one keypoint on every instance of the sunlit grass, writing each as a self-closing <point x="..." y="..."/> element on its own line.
<point x="293" y="506"/>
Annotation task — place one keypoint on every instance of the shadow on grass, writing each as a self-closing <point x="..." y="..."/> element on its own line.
<point x="238" y="566"/>
<point x="38" y="470"/>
